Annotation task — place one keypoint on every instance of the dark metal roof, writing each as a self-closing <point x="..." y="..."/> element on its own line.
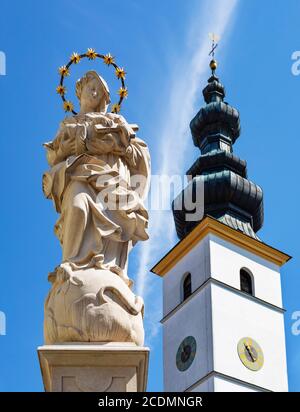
<point x="228" y="195"/>
<point x="217" y="160"/>
<point x="238" y="224"/>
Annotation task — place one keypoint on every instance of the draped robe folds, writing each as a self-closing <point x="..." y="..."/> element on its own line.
<point x="93" y="155"/>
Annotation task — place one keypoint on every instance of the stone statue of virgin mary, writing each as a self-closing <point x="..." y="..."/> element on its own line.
<point x="98" y="178"/>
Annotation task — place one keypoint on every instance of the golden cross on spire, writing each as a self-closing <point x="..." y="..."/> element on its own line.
<point x="214" y="44"/>
<point x="214" y="40"/>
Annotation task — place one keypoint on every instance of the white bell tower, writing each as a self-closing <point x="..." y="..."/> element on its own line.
<point x="219" y="335"/>
<point x="223" y="318"/>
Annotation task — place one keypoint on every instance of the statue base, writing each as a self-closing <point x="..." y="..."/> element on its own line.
<point x="94" y="367"/>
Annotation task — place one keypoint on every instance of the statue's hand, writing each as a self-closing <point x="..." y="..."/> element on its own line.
<point x="100" y="144"/>
<point x="80" y="139"/>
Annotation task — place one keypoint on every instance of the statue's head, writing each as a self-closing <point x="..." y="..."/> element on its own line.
<point x="93" y="93"/>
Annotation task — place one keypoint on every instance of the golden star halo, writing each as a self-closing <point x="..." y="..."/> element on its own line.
<point x="91" y="54"/>
<point x="68" y="106"/>
<point x="61" y="90"/>
<point x="116" y="108"/>
<point x="120" y="73"/>
<point x="75" y="58"/>
<point x="64" y="71"/>
<point x="108" y="59"/>
<point x="123" y="92"/>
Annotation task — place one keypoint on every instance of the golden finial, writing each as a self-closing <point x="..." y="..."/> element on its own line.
<point x="213" y="65"/>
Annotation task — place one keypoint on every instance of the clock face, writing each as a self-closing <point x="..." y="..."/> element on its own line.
<point x="251" y="354"/>
<point x="186" y="353"/>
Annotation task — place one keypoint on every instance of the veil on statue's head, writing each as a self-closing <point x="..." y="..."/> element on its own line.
<point x="89" y="76"/>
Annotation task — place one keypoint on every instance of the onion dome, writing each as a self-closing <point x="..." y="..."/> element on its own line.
<point x="216" y="125"/>
<point x="221" y="176"/>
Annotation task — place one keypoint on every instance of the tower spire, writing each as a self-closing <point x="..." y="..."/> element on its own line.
<point x="228" y="195"/>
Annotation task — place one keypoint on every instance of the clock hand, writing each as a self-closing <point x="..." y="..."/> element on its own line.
<point x="248" y="349"/>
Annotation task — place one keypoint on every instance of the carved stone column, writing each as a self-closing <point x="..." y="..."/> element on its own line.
<point x="111" y="367"/>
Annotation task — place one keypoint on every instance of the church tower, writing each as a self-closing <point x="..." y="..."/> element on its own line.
<point x="223" y="318"/>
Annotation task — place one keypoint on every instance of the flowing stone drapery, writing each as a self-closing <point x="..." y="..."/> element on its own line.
<point x="98" y="179"/>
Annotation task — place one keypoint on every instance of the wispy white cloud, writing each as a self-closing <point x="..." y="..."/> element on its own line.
<point x="185" y="84"/>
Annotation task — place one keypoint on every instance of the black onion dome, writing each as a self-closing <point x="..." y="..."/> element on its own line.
<point x="217" y="118"/>
<point x="213" y="88"/>
<point x="228" y="195"/>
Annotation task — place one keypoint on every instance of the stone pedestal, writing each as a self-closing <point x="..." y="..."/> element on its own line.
<point x="94" y="367"/>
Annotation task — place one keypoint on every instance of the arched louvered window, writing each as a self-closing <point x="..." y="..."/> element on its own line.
<point x="247" y="282"/>
<point x="186" y="286"/>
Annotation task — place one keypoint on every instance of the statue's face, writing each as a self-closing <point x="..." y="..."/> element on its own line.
<point x="92" y="95"/>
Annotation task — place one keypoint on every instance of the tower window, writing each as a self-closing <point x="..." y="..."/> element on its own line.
<point x="187" y="286"/>
<point x="246" y="280"/>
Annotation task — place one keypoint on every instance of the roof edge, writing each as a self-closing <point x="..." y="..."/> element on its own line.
<point x="210" y="225"/>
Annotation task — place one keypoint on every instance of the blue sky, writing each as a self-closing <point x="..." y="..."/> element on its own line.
<point x="163" y="46"/>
